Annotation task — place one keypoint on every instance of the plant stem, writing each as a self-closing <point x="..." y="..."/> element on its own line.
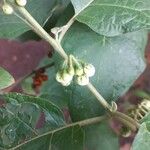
<point x="66" y="28"/>
<point x="98" y="96"/>
<point x="41" y="32"/>
<point x="124" y="116"/>
<point x="126" y="123"/>
<point x="80" y="123"/>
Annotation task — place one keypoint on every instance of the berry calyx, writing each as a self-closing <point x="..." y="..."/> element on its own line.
<point x="64" y="78"/>
<point x="70" y="68"/>
<point x="79" y="71"/>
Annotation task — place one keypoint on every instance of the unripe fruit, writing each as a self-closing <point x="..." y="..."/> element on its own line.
<point x="67" y="77"/>
<point x="7" y="9"/>
<point x="82" y="80"/>
<point x="64" y="78"/>
<point x="59" y="77"/>
<point x="21" y="3"/>
<point x="79" y="71"/>
<point x="89" y="70"/>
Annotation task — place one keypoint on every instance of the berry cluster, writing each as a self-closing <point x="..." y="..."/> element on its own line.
<point x="39" y="78"/>
<point x="73" y="67"/>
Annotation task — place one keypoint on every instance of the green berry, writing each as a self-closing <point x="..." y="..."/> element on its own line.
<point x="7" y="9"/>
<point x="82" y="80"/>
<point x="21" y="3"/>
<point x="79" y="71"/>
<point x="59" y="77"/>
<point x="89" y="70"/>
<point x="67" y="77"/>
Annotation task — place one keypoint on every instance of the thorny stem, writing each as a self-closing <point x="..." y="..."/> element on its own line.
<point x="57" y="46"/>
<point x="80" y="123"/>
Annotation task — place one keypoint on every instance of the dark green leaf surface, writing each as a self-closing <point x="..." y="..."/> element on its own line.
<point x="111" y="18"/>
<point x="21" y="115"/>
<point x="146" y="118"/>
<point x="142" y="139"/>
<point x="11" y="26"/>
<point x="71" y="138"/>
<point x="118" y="62"/>
<point x="101" y="137"/>
<point x="5" y="79"/>
<point x="96" y="137"/>
<point x="80" y="5"/>
<point x="27" y="86"/>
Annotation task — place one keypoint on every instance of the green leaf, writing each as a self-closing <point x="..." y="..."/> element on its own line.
<point x="111" y="18"/>
<point x="93" y="137"/>
<point x="70" y="138"/>
<point x="118" y="62"/>
<point x="142" y="139"/>
<point x="12" y="26"/>
<point x="64" y="3"/>
<point x="101" y="136"/>
<point x="5" y="79"/>
<point x="74" y="138"/>
<point x="80" y="5"/>
<point x="142" y="94"/>
<point x="146" y="118"/>
<point x="27" y="86"/>
<point x="21" y="118"/>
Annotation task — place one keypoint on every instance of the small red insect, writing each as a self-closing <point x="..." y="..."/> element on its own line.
<point x="39" y="78"/>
